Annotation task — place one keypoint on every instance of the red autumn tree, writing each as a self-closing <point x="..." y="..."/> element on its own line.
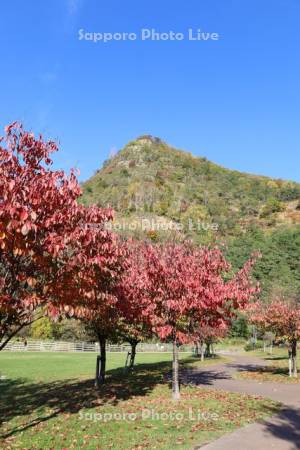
<point x="281" y="317"/>
<point x="42" y="231"/>
<point x="211" y="323"/>
<point x="178" y="285"/>
<point x="101" y="316"/>
<point x="135" y="323"/>
<point x="206" y="335"/>
<point x="92" y="297"/>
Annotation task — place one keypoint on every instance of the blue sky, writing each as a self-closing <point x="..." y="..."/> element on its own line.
<point x="235" y="100"/>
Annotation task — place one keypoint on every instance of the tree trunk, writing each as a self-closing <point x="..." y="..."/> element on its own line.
<point x="101" y="361"/>
<point x="207" y="350"/>
<point x="133" y="353"/>
<point x="294" y="359"/>
<point x="97" y="371"/>
<point x="196" y="348"/>
<point x="271" y="348"/>
<point x="4" y="343"/>
<point x="202" y="349"/>
<point x="175" y="373"/>
<point x="254" y="334"/>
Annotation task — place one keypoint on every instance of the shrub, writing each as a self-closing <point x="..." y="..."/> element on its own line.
<point x="272" y="206"/>
<point x="253" y="346"/>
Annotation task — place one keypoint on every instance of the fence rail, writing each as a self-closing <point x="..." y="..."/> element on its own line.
<point x="62" y="346"/>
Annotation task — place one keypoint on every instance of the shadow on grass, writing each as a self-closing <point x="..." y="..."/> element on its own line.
<point x="276" y="370"/>
<point x="20" y="398"/>
<point x="261" y="370"/>
<point x="276" y="358"/>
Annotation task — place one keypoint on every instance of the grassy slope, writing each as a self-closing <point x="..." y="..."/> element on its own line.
<point x="44" y="394"/>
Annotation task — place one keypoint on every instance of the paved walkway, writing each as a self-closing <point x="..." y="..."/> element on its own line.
<point x="279" y="432"/>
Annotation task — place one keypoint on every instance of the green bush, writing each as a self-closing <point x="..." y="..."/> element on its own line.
<point x="272" y="206"/>
<point x="42" y="329"/>
<point x="253" y="346"/>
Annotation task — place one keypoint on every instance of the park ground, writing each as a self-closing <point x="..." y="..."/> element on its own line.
<point x="275" y="368"/>
<point x="48" y="401"/>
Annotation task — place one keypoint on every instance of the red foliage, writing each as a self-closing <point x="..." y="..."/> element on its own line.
<point x="46" y="237"/>
<point x="280" y="316"/>
<point x="177" y="287"/>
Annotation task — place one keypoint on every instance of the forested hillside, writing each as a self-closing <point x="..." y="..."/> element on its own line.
<point x="158" y="191"/>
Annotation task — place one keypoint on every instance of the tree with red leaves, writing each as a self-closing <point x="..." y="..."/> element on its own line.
<point x="178" y="285"/>
<point x="135" y="324"/>
<point x="282" y="317"/>
<point x="46" y="237"/>
<point x="100" y="314"/>
<point x="206" y="335"/>
<point x="96" y="270"/>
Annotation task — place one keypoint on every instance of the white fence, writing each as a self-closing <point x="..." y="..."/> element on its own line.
<point x="61" y="346"/>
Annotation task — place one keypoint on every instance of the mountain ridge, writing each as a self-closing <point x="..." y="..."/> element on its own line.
<point x="149" y="178"/>
<point x="151" y="139"/>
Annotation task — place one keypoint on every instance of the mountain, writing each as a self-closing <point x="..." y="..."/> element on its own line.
<point x="148" y="179"/>
<point x="158" y="191"/>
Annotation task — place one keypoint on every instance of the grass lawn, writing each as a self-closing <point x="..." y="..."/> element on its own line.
<point x="48" y="402"/>
<point x="277" y="369"/>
